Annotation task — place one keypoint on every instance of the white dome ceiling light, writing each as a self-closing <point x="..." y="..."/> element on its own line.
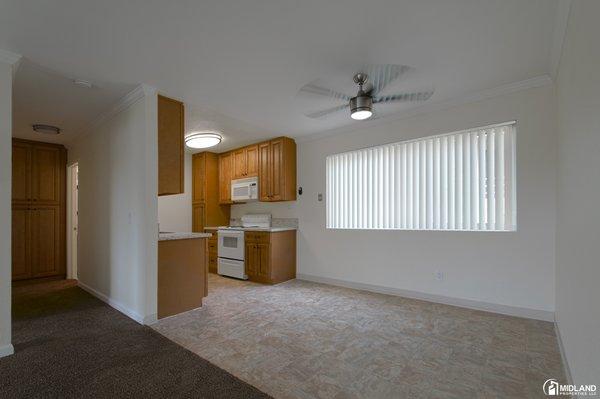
<point x="198" y="140"/>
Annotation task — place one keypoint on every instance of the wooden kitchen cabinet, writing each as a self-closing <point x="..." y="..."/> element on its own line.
<point x="245" y="162"/>
<point x="170" y="146"/>
<point x="225" y="176"/>
<point x="277" y="170"/>
<point x="38" y="210"/>
<point x="213" y="253"/>
<point x="270" y="256"/>
<point x="206" y="207"/>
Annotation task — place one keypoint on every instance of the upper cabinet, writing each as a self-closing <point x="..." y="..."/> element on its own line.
<point x="277" y="170"/>
<point x="206" y="207"/>
<point x="170" y="146"/>
<point x="245" y="162"/>
<point x="225" y="176"/>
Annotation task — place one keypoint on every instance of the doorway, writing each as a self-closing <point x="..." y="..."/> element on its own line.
<point x="72" y="219"/>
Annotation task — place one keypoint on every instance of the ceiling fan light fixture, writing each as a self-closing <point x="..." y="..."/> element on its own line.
<point x="361" y="107"/>
<point x="198" y="140"/>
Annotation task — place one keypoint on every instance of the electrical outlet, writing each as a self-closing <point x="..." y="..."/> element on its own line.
<point x="439" y="275"/>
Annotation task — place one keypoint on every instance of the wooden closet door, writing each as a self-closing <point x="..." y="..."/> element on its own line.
<point x="45" y="241"/>
<point x="264" y="175"/>
<point x="276" y="170"/>
<point x="21" y="246"/>
<point x="45" y="174"/>
<point x="21" y="172"/>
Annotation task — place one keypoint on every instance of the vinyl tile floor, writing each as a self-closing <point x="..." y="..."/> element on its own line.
<point x="301" y="339"/>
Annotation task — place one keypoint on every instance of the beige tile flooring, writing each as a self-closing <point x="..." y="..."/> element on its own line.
<point x="305" y="340"/>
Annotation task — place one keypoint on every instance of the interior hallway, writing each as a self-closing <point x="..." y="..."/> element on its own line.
<point x="70" y="344"/>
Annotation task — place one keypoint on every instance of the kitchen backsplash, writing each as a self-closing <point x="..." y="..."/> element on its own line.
<point x="275" y="222"/>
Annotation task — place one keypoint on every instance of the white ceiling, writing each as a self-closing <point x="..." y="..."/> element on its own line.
<point x="246" y="60"/>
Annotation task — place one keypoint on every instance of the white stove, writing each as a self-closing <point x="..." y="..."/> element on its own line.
<point x="231" y="245"/>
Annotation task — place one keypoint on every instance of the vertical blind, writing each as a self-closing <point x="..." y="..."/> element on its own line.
<point x="458" y="181"/>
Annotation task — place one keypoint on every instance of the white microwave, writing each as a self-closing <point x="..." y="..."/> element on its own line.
<point x="244" y="189"/>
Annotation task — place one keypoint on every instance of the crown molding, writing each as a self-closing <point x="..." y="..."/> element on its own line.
<point x="12" y="59"/>
<point x="125" y="102"/>
<point x="558" y="36"/>
<point x="537" y="81"/>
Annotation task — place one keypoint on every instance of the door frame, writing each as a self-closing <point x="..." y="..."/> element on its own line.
<point x="72" y="228"/>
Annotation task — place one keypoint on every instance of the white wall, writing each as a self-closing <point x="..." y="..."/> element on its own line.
<point x="175" y="211"/>
<point x="578" y="238"/>
<point x="118" y="206"/>
<point x="7" y="62"/>
<point x="514" y="269"/>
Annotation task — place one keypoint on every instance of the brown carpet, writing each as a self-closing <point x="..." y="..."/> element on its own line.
<point x="69" y="344"/>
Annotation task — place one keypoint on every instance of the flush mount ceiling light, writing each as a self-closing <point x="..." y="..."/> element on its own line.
<point x="83" y="83"/>
<point x="47" y="129"/>
<point x="202" y="139"/>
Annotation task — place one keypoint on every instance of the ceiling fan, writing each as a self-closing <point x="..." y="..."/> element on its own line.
<point x="371" y="81"/>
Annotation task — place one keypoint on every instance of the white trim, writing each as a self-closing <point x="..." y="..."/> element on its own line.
<point x="537" y="314"/>
<point x="563" y="354"/>
<point x="115" y="304"/>
<point x="538" y="81"/>
<point x="13" y="59"/>
<point x="558" y="35"/>
<point x="6" y="350"/>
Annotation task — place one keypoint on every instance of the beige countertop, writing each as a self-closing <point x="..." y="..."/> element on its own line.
<point x="181" y="236"/>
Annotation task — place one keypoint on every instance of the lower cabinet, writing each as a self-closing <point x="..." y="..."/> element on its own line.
<point x="213" y="257"/>
<point x="270" y="256"/>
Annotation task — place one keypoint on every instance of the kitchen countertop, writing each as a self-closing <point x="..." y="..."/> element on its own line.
<point x="181" y="236"/>
<point x="267" y="229"/>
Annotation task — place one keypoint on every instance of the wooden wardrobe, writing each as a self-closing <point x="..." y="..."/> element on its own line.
<point x="38" y="209"/>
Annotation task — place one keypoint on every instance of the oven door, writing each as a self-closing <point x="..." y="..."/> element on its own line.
<point x="231" y="244"/>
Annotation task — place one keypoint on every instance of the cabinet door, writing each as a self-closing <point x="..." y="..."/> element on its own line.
<point x="21" y="266"/>
<point x="45" y="241"/>
<point x="251" y="260"/>
<point x="45" y="174"/>
<point x="239" y="164"/>
<point x="252" y="161"/>
<point x="276" y="170"/>
<point x="198" y="177"/>
<point x="262" y="260"/>
<point x="264" y="175"/>
<point x="225" y="169"/>
<point x="198" y="218"/>
<point x="170" y="146"/>
<point x="21" y="173"/>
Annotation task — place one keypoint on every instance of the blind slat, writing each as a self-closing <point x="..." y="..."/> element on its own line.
<point x="459" y="181"/>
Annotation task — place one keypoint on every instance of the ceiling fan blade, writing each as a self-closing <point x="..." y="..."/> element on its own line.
<point x="382" y="75"/>
<point x="326" y="112"/>
<point x="313" y="88"/>
<point x="404" y="97"/>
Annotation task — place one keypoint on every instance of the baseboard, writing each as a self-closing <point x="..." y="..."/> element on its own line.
<point x="114" y="304"/>
<point x="6" y="350"/>
<point x="563" y="354"/>
<point x="464" y="303"/>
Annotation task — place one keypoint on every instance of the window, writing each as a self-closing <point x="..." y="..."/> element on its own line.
<point x="457" y="181"/>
